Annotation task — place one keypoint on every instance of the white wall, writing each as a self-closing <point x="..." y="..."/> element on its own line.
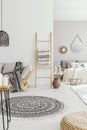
<point x="21" y="19"/>
<point x="64" y="33"/>
<point x="70" y="10"/>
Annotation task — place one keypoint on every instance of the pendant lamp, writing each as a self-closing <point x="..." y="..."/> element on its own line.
<point x="4" y="37"/>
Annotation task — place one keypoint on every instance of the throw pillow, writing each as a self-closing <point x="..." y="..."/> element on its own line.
<point x="1" y="66"/>
<point x="18" y="71"/>
<point x="63" y="64"/>
<point x="8" y="67"/>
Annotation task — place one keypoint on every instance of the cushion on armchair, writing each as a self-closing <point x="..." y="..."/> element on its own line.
<point x="8" y="67"/>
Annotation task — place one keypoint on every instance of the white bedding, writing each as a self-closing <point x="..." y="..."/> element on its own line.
<point x="75" y="73"/>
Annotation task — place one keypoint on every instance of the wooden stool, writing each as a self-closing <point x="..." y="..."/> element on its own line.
<point x="6" y="99"/>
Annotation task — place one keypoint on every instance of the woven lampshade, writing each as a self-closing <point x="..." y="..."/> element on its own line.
<point x="4" y="38"/>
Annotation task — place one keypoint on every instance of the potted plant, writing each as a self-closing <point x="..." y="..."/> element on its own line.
<point x="57" y="75"/>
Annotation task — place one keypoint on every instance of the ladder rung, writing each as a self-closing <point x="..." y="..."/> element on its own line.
<point x="42" y="77"/>
<point x="42" y="68"/>
<point x="43" y="41"/>
<point x="39" y="65"/>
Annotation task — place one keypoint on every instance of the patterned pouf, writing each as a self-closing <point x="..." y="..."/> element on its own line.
<point x="74" y="121"/>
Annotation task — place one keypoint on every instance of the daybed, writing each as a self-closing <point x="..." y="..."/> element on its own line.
<point x="73" y="71"/>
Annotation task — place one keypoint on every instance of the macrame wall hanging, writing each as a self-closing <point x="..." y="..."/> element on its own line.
<point x="4" y="37"/>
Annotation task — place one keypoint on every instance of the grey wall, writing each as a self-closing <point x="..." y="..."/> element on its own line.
<point x="64" y="33"/>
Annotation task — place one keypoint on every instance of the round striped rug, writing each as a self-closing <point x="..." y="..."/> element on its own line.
<point x="34" y="106"/>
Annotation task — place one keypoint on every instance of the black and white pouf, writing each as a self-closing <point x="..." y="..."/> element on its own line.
<point x="34" y="106"/>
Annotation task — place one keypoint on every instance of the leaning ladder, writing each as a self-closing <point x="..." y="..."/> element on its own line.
<point x="50" y="59"/>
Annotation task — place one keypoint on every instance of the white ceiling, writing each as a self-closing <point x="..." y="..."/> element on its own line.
<point x="70" y="10"/>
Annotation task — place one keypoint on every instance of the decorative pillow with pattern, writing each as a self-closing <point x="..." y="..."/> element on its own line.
<point x="14" y="82"/>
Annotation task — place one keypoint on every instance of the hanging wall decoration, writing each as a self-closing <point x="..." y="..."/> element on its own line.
<point x="76" y="46"/>
<point x="4" y="37"/>
<point x="62" y="49"/>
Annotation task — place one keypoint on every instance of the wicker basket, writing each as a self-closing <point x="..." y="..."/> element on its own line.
<point x="74" y="121"/>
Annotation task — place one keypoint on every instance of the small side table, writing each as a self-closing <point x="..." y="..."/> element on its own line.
<point x="4" y="91"/>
